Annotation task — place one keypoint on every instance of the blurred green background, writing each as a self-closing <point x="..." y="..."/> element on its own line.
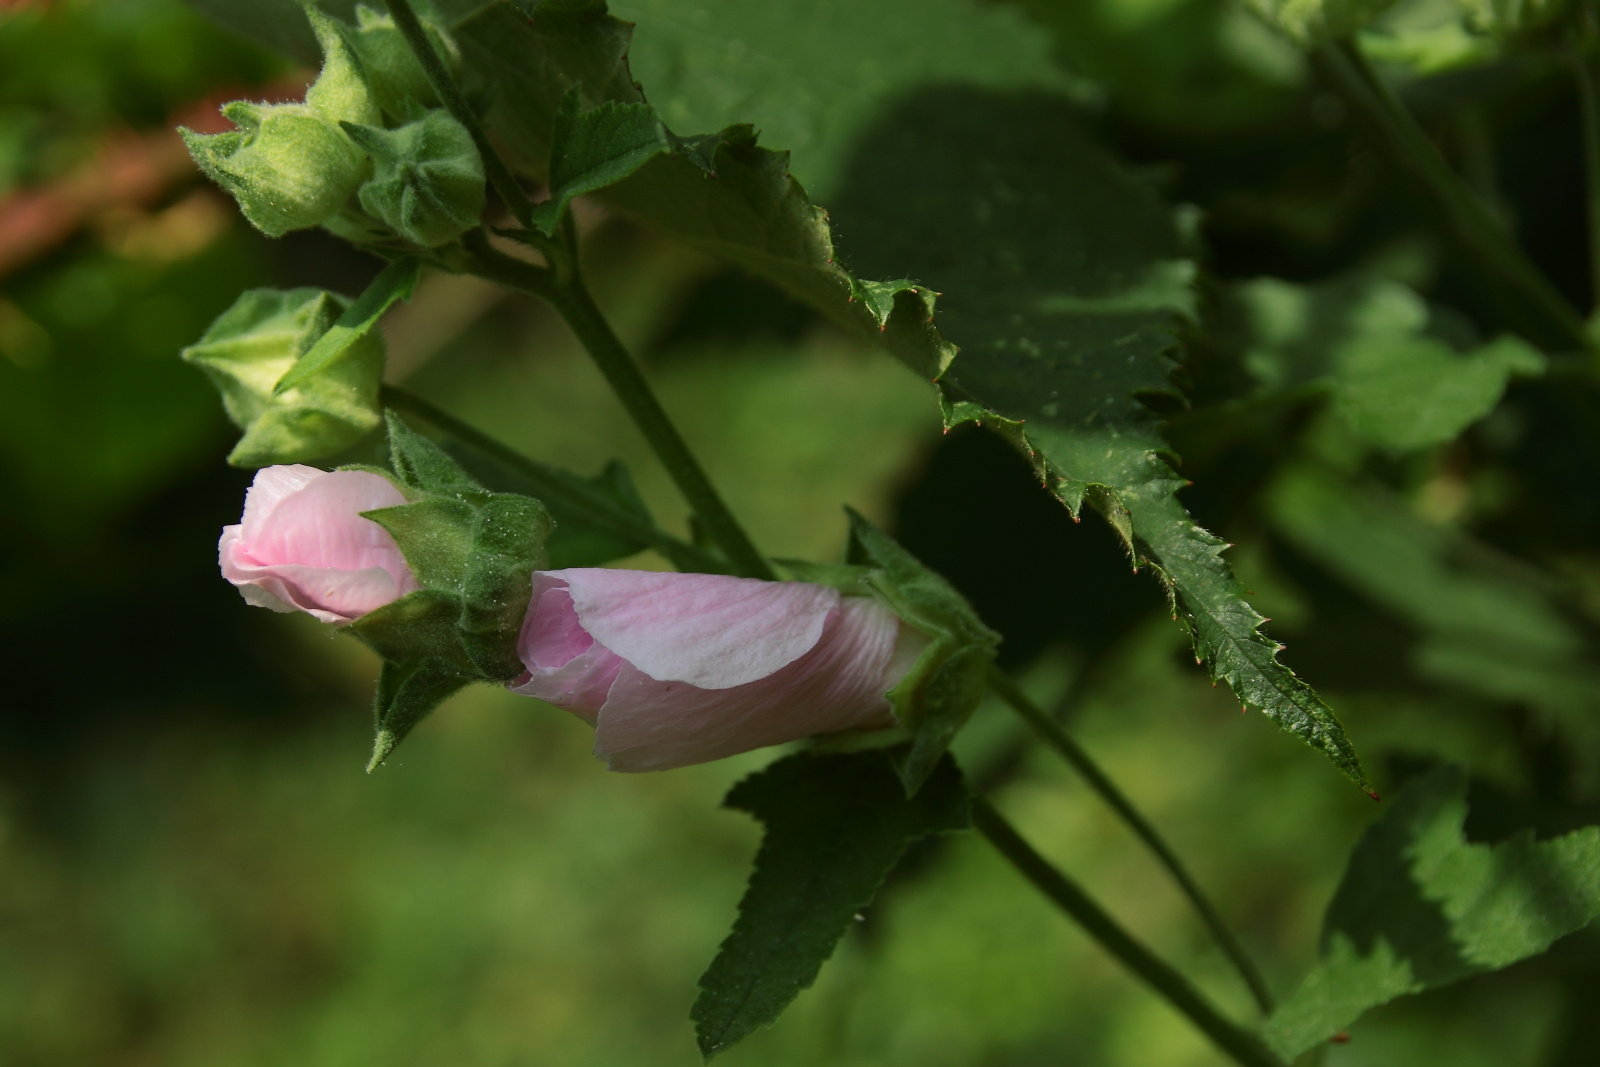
<point x="194" y="870"/>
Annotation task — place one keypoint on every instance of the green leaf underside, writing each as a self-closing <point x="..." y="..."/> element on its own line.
<point x="1390" y="361"/>
<point x="836" y="824"/>
<point x="1420" y="907"/>
<point x="395" y="282"/>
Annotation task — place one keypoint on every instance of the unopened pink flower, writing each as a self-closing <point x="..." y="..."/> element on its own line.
<point x="302" y="544"/>
<point x="673" y="669"/>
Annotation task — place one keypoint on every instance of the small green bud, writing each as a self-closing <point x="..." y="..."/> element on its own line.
<point x="398" y="81"/>
<point x="427" y="183"/>
<point x="254" y="343"/>
<point x="289" y="165"/>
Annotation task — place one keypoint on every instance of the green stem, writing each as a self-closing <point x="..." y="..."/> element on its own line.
<point x="1118" y="801"/>
<point x="1541" y="308"/>
<point x="1245" y="1048"/>
<point x="499" y="175"/>
<point x="569" y="297"/>
<point x="556" y="486"/>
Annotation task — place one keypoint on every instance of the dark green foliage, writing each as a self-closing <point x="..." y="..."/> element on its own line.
<point x="1420" y="907"/>
<point x="836" y="825"/>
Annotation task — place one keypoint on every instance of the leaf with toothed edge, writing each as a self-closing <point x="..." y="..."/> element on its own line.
<point x="836" y="825"/>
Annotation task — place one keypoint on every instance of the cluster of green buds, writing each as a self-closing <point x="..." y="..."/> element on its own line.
<point x="368" y="154"/>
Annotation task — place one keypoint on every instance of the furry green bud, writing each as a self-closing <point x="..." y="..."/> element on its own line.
<point x="398" y="82"/>
<point x="289" y="165"/>
<point x="427" y="183"/>
<point x="253" y="345"/>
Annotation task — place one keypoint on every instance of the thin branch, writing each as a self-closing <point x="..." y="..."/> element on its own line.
<point x="1244" y="1047"/>
<point x="1051" y="731"/>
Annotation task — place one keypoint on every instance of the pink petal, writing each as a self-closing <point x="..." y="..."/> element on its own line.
<point x="566" y="666"/>
<point x="648" y="724"/>
<point x="321" y="525"/>
<point x="330" y="595"/>
<point x="270" y="486"/>
<point x="708" y="630"/>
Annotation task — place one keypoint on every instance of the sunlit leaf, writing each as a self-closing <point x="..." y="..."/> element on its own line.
<point x="1420" y="907"/>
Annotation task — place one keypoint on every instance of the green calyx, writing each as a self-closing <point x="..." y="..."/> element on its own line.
<point x="259" y="340"/>
<point x="474" y="553"/>
<point x="943" y="687"/>
<point x="427" y="183"/>
<point x="398" y="82"/>
<point x="289" y="166"/>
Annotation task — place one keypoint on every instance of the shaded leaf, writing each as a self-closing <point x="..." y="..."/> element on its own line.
<point x="1420" y="907"/>
<point x="1311" y="22"/>
<point x="1389" y="360"/>
<point x="836" y="824"/>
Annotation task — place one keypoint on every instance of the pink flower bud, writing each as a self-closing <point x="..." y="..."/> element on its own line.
<point x="302" y="544"/>
<point x="674" y="669"/>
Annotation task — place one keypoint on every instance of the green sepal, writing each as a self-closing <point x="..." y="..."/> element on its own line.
<point x="435" y="536"/>
<point x="419" y="626"/>
<point x="397" y="79"/>
<point x="507" y="547"/>
<point x="395" y="282"/>
<point x="835" y="825"/>
<point x="591" y="150"/>
<point x="289" y="166"/>
<point x="422" y="465"/>
<point x="944" y="686"/>
<point x="849" y="578"/>
<point x="427" y="183"/>
<point x="406" y="695"/>
<point x="263" y="339"/>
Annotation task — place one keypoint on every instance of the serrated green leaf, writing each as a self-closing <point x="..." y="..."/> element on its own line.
<point x="1389" y="360"/>
<point x="508" y="537"/>
<point x="1065" y="280"/>
<point x="434" y="535"/>
<point x="395" y="282"/>
<point x="835" y="826"/>
<point x="407" y="694"/>
<point x="1420" y="907"/>
<point x="422" y="465"/>
<point x="594" y="149"/>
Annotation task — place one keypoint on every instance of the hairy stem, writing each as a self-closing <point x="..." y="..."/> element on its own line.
<point x="557" y="486"/>
<point x="1058" y="739"/>
<point x="499" y="175"/>
<point x="569" y="297"/>
<point x="1244" y="1047"/>
<point x="1539" y="307"/>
